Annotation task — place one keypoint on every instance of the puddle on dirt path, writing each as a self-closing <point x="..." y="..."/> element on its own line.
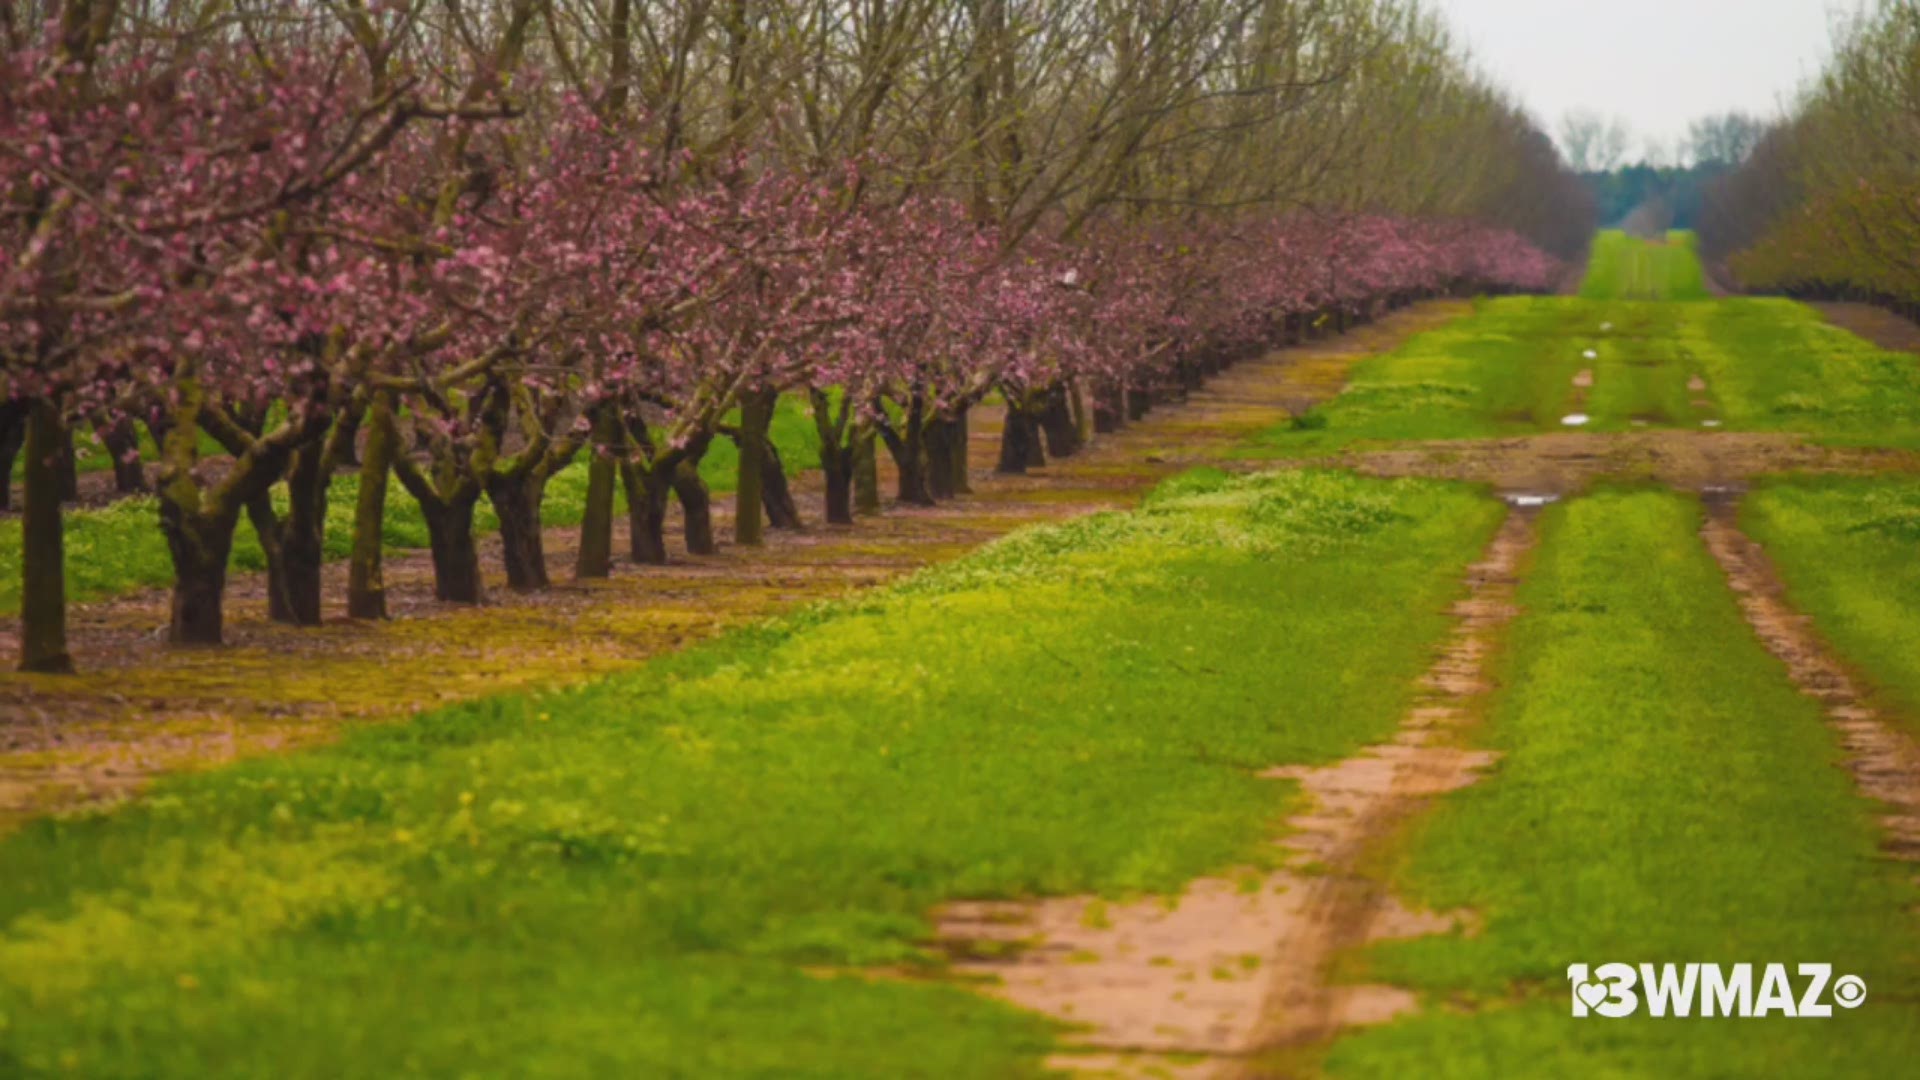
<point x="1885" y="762"/>
<point x="1238" y="966"/>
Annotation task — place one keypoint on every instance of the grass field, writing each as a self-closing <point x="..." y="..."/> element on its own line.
<point x="1624" y="267"/>
<point x="1665" y="796"/>
<point x="119" y="548"/>
<point x="1846" y="549"/>
<point x="1511" y="369"/>
<point x="640" y="874"/>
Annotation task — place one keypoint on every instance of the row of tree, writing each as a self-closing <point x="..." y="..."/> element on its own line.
<point x="461" y="244"/>
<point x="1828" y="203"/>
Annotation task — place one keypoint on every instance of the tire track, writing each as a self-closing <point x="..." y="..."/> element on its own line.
<point x="1241" y="965"/>
<point x="1884" y="761"/>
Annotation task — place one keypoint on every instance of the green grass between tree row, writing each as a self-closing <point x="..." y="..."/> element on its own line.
<point x="1623" y="267"/>
<point x="1509" y="369"/>
<point x="633" y="877"/>
<point x="1849" y="552"/>
<point x="1666" y="795"/>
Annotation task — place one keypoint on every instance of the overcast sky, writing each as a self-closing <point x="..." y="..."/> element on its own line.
<point x="1657" y="64"/>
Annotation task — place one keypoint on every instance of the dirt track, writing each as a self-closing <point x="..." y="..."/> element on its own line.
<point x="1240" y="968"/>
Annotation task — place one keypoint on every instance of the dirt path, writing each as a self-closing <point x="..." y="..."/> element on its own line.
<point x="1884" y="761"/>
<point x="1568" y="463"/>
<point x="1878" y="325"/>
<point x="141" y="709"/>
<point x="1239" y="968"/>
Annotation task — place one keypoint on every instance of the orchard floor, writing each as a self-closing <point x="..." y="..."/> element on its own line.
<point x="140" y="708"/>
<point x="1483" y="641"/>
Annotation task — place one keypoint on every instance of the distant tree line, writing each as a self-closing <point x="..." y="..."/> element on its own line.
<point x="1667" y="187"/>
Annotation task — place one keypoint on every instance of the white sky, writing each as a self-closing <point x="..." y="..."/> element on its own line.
<point x="1657" y="64"/>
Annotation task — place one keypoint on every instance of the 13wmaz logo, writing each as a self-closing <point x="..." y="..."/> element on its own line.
<point x="1709" y="990"/>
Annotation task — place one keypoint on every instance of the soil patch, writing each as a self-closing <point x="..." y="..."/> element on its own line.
<point x="1239" y="965"/>
<point x="1892" y="332"/>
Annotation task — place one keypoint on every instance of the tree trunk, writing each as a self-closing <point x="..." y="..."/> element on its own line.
<point x="122" y="445"/>
<point x="349" y="453"/>
<point x="43" y="568"/>
<point x="1139" y="402"/>
<point x="303" y="535"/>
<point x="13" y="434"/>
<point x="68" y="466"/>
<point x="957" y="449"/>
<point x="366" y="585"/>
<point x="836" y="463"/>
<point x="696" y="507"/>
<point x="909" y="449"/>
<point x="776" y="493"/>
<point x="1061" y="427"/>
<point x="596" y="523"/>
<point x="516" y="501"/>
<point x="1109" y="408"/>
<point x="940" y="458"/>
<point x="866" y="473"/>
<point x="756" y="416"/>
<point x="456" y="557"/>
<point x="647" y="493"/>
<point x="267" y="526"/>
<point x="201" y="545"/>
<point x="1020" y="446"/>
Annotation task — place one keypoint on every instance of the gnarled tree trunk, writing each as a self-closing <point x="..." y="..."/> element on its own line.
<point x="516" y="498"/>
<point x="122" y="445"/>
<point x="456" y="554"/>
<point x="201" y="543"/>
<point x="647" y="492"/>
<point x="776" y="494"/>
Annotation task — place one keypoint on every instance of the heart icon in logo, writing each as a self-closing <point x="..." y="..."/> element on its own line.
<point x="1592" y="994"/>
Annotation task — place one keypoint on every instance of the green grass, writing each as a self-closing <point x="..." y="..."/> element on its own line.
<point x="1846" y="548"/>
<point x="1508" y="369"/>
<point x="1624" y="267"/>
<point x="632" y="878"/>
<point x="1776" y="365"/>
<point x="120" y="548"/>
<point x="1665" y="796"/>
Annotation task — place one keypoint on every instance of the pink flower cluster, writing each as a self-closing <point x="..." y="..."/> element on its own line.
<point x="282" y="229"/>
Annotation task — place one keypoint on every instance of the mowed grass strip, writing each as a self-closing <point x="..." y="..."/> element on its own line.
<point x="1623" y="267"/>
<point x="1665" y="796"/>
<point x="658" y="874"/>
<point x="1776" y="365"/>
<point x="1846" y="549"/>
<point x="1507" y="369"/>
<point x="119" y="548"/>
<point x="1641" y="370"/>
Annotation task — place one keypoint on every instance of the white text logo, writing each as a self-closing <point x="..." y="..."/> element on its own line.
<point x="1710" y="990"/>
